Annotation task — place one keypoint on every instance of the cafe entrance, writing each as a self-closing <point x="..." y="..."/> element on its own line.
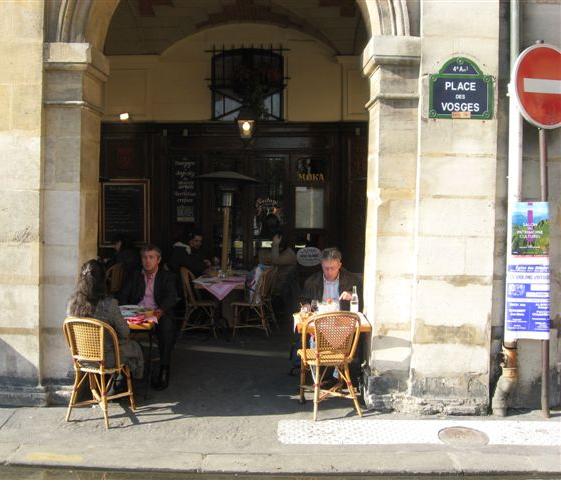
<point x="311" y="185"/>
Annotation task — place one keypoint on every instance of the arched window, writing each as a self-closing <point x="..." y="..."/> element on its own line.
<point x="251" y="77"/>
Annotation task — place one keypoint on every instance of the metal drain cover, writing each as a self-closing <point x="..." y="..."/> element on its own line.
<point x="460" y="436"/>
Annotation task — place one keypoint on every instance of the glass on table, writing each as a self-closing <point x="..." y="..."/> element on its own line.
<point x="314" y="305"/>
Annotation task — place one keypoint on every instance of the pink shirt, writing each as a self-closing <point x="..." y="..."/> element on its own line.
<point x="148" y="300"/>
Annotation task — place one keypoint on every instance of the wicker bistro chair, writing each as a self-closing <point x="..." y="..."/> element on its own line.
<point x="258" y="310"/>
<point x="336" y="339"/>
<point x="114" y="278"/>
<point x="85" y="338"/>
<point x="206" y="310"/>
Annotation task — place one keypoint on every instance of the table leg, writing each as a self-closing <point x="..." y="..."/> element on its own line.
<point x="149" y="380"/>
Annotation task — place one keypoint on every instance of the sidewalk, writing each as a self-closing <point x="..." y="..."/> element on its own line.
<point x="233" y="409"/>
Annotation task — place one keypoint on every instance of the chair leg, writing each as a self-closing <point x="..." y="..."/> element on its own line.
<point x="302" y="381"/>
<point x="234" y="327"/>
<point x="263" y="317"/>
<point x="272" y="311"/>
<point x="351" y="389"/>
<point x="129" y="387"/>
<point x="74" y="394"/>
<point x="316" y="392"/>
<point x="104" y="400"/>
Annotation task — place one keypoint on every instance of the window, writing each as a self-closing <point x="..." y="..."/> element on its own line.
<point x="247" y="76"/>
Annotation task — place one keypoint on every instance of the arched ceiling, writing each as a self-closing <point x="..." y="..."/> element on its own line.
<point x="141" y="27"/>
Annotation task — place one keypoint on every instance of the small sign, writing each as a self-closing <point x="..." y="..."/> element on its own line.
<point x="527" y="278"/>
<point x="460" y="91"/>
<point x="184" y="188"/>
<point x="308" y="256"/>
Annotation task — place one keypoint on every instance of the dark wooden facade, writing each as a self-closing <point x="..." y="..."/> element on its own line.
<point x="335" y="155"/>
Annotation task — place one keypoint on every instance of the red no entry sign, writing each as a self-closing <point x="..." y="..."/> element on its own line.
<point x="537" y="81"/>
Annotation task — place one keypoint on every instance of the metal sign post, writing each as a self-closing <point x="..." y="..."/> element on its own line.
<point x="537" y="88"/>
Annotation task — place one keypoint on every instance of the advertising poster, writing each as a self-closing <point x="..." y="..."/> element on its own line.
<point x="527" y="277"/>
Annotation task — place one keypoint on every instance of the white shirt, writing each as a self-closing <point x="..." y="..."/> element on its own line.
<point x="330" y="289"/>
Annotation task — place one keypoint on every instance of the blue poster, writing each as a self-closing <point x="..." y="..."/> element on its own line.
<point x="527" y="278"/>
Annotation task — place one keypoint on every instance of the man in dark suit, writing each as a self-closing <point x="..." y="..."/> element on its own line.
<point x="333" y="282"/>
<point x="155" y="288"/>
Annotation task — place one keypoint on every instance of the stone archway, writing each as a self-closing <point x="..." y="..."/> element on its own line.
<point x="70" y="37"/>
<point x="75" y="72"/>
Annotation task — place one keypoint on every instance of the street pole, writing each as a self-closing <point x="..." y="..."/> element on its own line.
<point x="545" y="342"/>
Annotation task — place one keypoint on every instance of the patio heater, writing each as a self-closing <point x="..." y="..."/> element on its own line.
<point x="228" y="182"/>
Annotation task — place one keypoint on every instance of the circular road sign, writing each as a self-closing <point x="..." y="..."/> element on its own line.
<point x="537" y="85"/>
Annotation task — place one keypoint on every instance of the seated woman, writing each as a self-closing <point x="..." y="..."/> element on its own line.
<point x="90" y="299"/>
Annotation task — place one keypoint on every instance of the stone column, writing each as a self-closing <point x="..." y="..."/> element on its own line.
<point x="74" y="77"/>
<point x="392" y="65"/>
<point x="451" y="323"/>
<point x="21" y="86"/>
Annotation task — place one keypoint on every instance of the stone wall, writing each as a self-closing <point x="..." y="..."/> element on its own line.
<point x="21" y="90"/>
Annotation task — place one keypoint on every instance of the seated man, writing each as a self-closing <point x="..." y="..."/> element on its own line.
<point x="154" y="288"/>
<point x="334" y="282"/>
<point x="189" y="255"/>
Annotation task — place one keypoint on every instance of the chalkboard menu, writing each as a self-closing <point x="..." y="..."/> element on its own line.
<point x="184" y="188"/>
<point x="124" y="210"/>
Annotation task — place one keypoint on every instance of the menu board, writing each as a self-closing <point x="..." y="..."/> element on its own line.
<point x="124" y="210"/>
<point x="184" y="188"/>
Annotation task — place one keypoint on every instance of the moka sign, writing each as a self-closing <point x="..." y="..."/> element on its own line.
<point x="460" y="91"/>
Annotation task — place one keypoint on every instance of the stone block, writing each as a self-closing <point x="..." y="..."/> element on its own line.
<point x="61" y="217"/>
<point x="19" y="263"/>
<point x="64" y="85"/>
<point x="440" y="256"/>
<point x="19" y="216"/>
<point x="457" y="176"/>
<point x="55" y="355"/>
<point x="498" y="304"/>
<point x="393" y="300"/>
<point x="454" y="301"/>
<point x="395" y="255"/>
<point x="26" y="107"/>
<point x="397" y="169"/>
<point x="466" y="138"/>
<point x="20" y="157"/>
<point x="396" y="217"/>
<point x="20" y="307"/>
<point x="449" y="360"/>
<point x="55" y="300"/>
<point x="456" y="217"/>
<point x="480" y="254"/>
<point x="19" y="356"/>
<point x="437" y="50"/>
<point x="27" y="20"/>
<point x="63" y="122"/>
<point x="21" y="61"/>
<point x="62" y="158"/>
<point x="391" y="351"/>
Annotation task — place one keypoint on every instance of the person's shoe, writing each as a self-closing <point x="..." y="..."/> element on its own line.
<point x="163" y="379"/>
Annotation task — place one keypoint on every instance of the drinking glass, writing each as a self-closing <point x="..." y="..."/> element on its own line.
<point x="314" y="305"/>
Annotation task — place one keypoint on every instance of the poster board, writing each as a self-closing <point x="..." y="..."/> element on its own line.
<point x="527" y="309"/>
<point x="124" y="209"/>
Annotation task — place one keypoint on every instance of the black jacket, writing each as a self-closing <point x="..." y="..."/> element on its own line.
<point x="165" y="292"/>
<point x="195" y="261"/>
<point x="313" y="287"/>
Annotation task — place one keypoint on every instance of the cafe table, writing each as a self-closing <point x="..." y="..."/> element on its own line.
<point x="142" y="321"/>
<point x="220" y="287"/>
